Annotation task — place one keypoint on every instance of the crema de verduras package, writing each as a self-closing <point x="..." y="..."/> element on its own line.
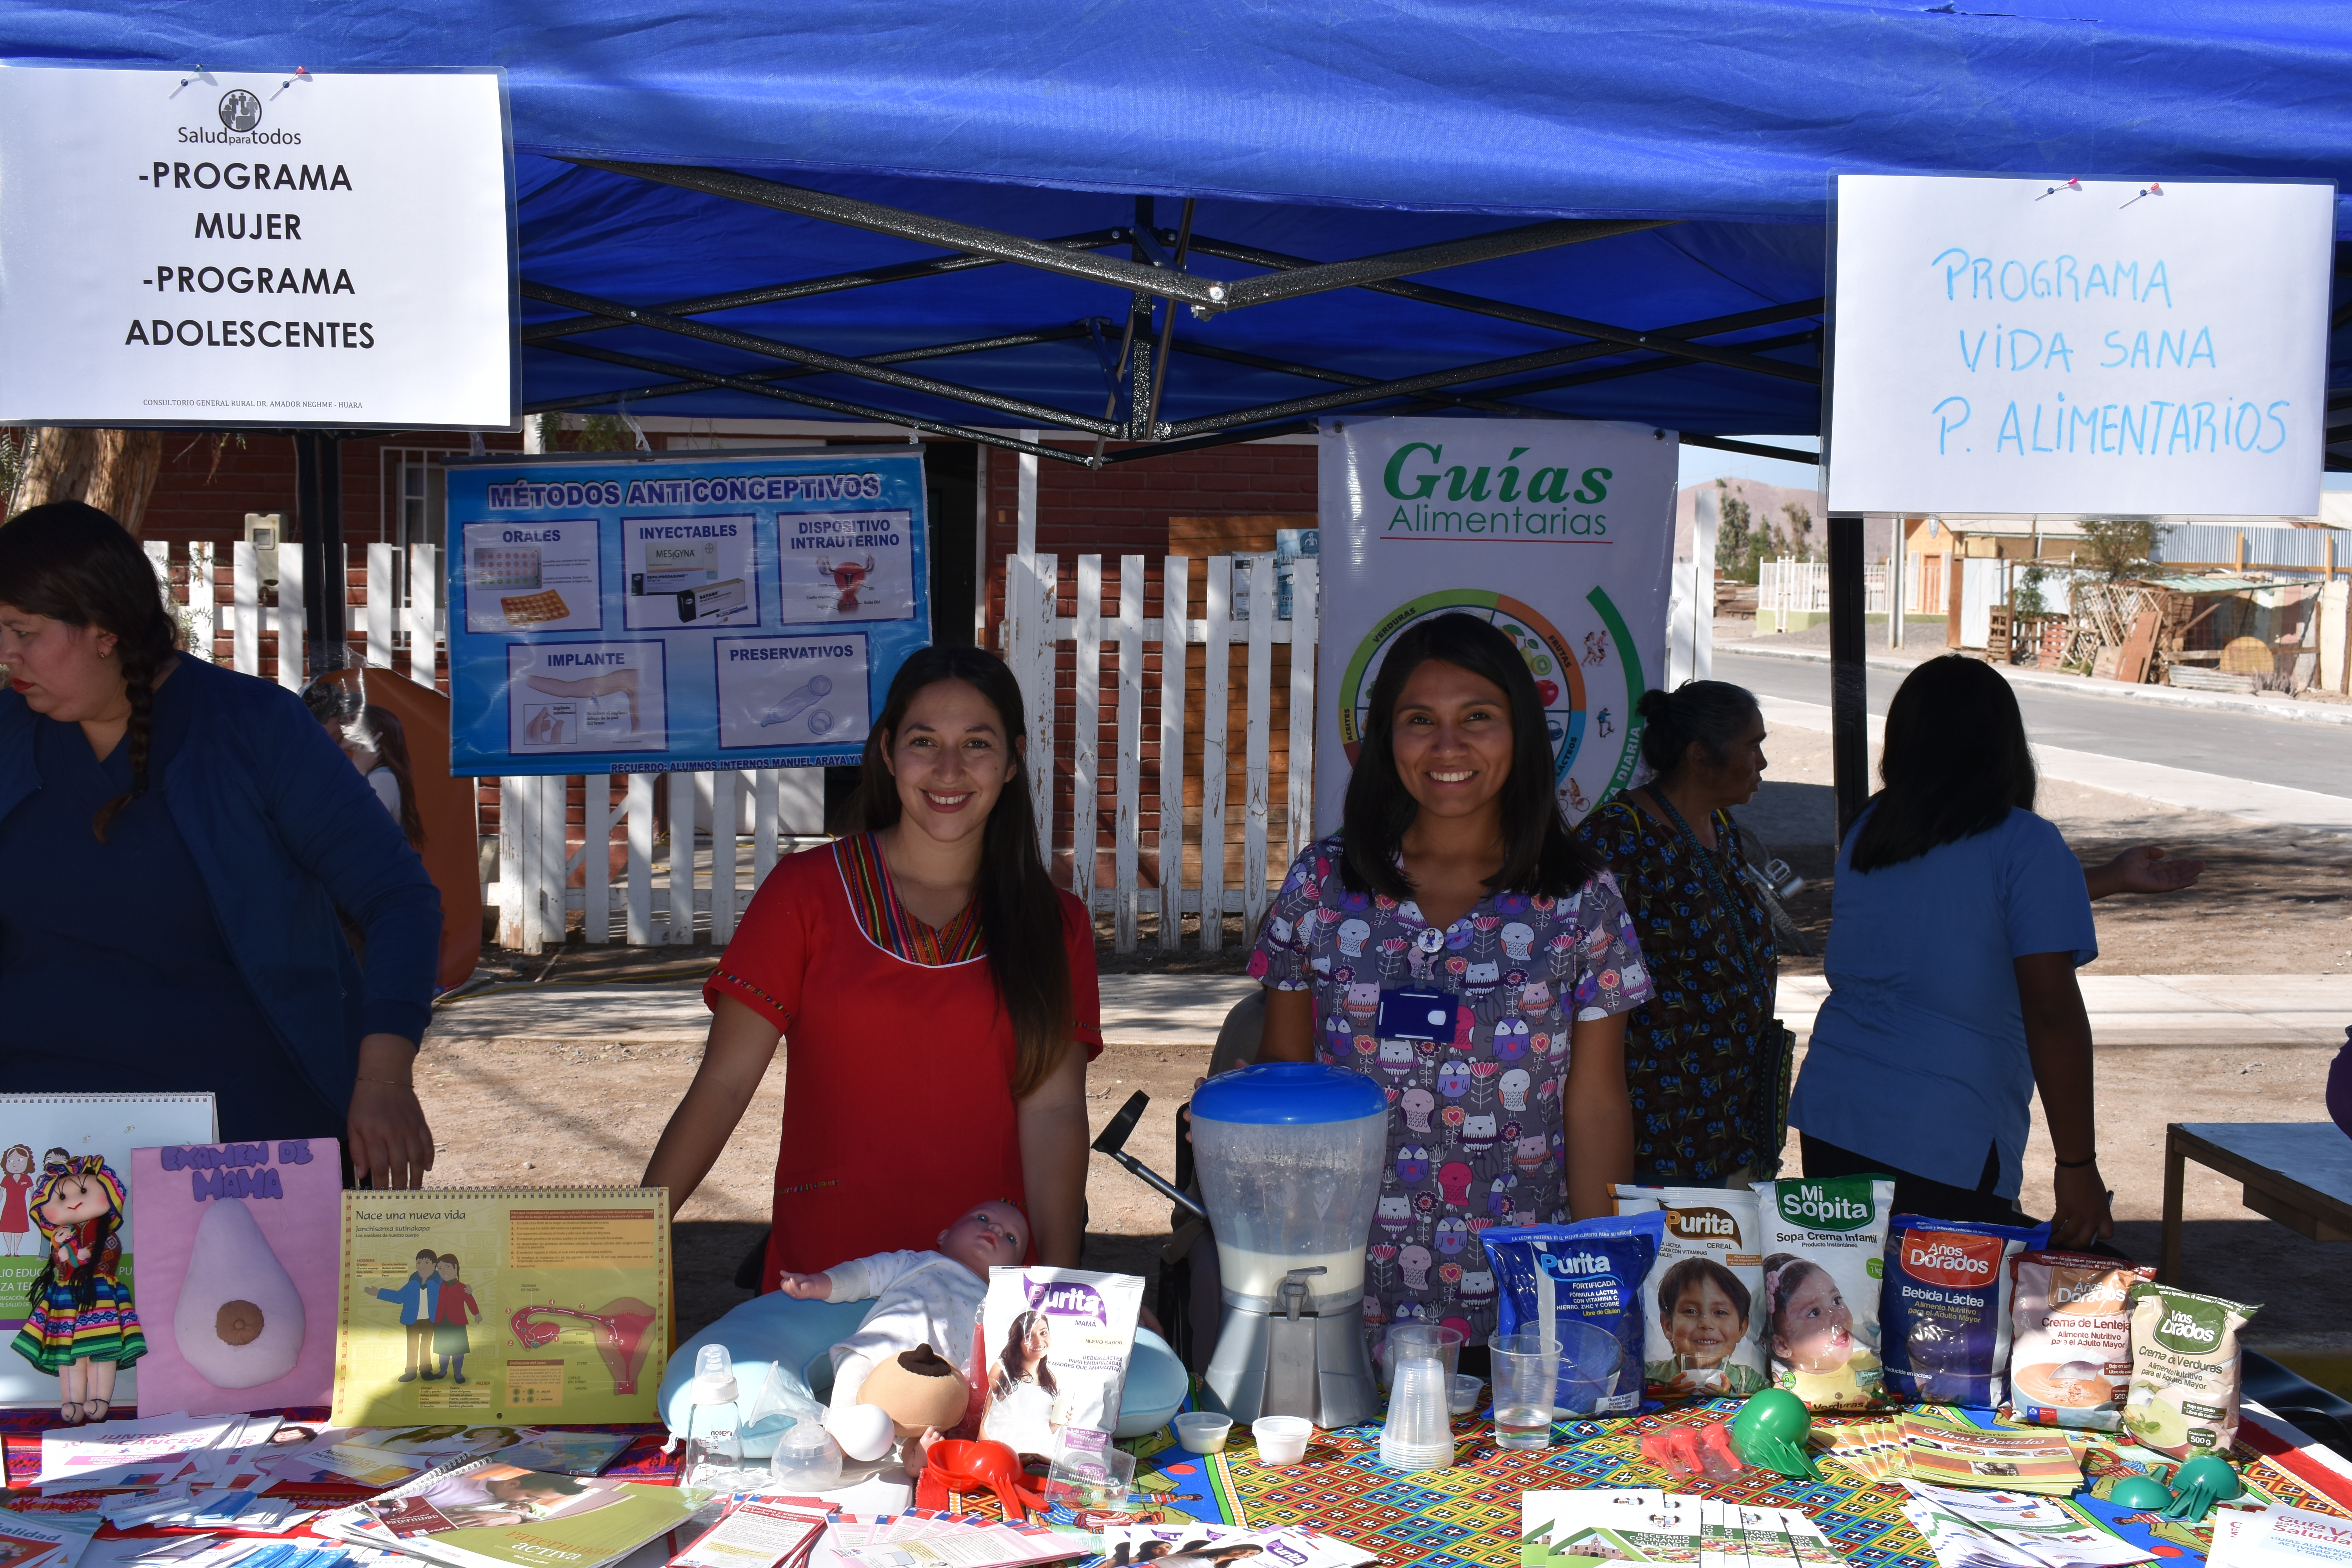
<point x="1824" y="1242"/>
<point x="1054" y="1350"/>
<point x="1944" y="1305"/>
<point x="2185" y="1370"/>
<point x="1590" y="1272"/>
<point x="1702" y="1304"/>
<point x="2069" y="1354"/>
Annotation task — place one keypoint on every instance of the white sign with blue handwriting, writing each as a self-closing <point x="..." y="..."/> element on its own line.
<point x="2079" y="348"/>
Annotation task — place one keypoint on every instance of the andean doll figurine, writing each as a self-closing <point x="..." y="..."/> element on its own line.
<point x="83" y="1325"/>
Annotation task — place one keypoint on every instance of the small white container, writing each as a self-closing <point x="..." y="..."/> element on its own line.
<point x="1281" y="1439"/>
<point x="1204" y="1432"/>
<point x="1463" y="1398"/>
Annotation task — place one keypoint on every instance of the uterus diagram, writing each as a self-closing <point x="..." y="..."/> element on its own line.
<point x="848" y="578"/>
<point x="619" y="1330"/>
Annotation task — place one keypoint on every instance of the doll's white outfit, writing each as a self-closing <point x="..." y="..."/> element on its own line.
<point x="919" y="1298"/>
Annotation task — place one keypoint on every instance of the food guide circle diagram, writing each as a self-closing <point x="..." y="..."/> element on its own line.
<point x="1589" y="676"/>
<point x="738" y="613"/>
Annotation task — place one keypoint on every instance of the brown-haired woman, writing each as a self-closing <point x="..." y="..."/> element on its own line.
<point x="936" y="994"/>
<point x="191" y="833"/>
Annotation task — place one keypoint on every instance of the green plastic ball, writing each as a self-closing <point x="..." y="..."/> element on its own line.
<point x="2140" y="1493"/>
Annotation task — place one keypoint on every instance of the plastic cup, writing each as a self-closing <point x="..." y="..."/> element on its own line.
<point x="1097" y="1481"/>
<point x="1463" y="1394"/>
<point x="1590" y="1360"/>
<point x="1418" y="1434"/>
<point x="1281" y="1439"/>
<point x="1421" y="1339"/>
<point x="1526" y="1369"/>
<point x="1202" y="1432"/>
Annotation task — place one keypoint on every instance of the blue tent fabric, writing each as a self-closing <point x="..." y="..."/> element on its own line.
<point x="1340" y="129"/>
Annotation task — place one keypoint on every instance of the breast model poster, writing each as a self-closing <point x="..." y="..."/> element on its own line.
<point x="1560" y="534"/>
<point x="659" y="613"/>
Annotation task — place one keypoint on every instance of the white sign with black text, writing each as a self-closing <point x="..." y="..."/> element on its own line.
<point x="2085" y="348"/>
<point x="287" y="249"/>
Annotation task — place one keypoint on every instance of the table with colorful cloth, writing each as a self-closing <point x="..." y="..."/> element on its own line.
<point x="1468" y="1513"/>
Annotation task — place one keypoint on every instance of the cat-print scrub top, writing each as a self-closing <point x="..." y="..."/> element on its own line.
<point x="1476" y="1134"/>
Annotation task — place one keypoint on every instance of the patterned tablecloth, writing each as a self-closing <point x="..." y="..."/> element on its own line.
<point x="1469" y="1514"/>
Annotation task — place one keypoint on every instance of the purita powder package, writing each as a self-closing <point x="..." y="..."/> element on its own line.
<point x="2185" y="1371"/>
<point x="1053" y="1354"/>
<point x="1825" y="1241"/>
<point x="1589" y="1272"/>
<point x="2070" y="1354"/>
<point x="1703" y="1303"/>
<point x="1944" y="1306"/>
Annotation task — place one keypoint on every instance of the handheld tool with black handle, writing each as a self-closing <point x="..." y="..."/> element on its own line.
<point x="1113" y="1142"/>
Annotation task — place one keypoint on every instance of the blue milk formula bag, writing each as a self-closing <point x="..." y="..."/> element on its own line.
<point x="1590" y="1272"/>
<point x="1944" y="1308"/>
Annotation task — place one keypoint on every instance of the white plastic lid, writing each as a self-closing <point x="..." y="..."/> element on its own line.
<point x="714" y="1376"/>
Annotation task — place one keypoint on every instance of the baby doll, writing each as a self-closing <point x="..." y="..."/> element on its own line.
<point x="1703" y="1308"/>
<point x="1814" y="1349"/>
<point x="920" y="1298"/>
<point x="83" y="1325"/>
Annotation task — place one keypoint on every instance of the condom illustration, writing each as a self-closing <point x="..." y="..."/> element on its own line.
<point x="792" y="704"/>
<point x="619" y="1329"/>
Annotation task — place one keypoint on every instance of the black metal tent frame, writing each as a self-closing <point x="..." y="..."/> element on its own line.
<point x="1154" y="274"/>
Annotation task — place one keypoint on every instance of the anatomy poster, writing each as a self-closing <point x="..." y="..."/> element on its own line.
<point x="680" y="612"/>
<point x="792" y="690"/>
<point x="237" y="1278"/>
<point x="1558" y="534"/>
<point x="585" y="697"/>
<point x="498" y="1305"/>
<point x="533" y="577"/>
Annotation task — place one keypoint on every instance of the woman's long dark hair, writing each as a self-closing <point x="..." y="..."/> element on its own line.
<point x="74" y="564"/>
<point x="1016" y="1343"/>
<point x="1020" y="912"/>
<point x="389" y="739"/>
<point x="1956" y="763"/>
<point x="1538" y="854"/>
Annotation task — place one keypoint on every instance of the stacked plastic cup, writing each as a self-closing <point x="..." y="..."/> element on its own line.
<point x="1419" y="1433"/>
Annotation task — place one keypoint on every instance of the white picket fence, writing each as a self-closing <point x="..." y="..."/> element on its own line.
<point x="536" y="850"/>
<point x="739" y="823"/>
<point x="1034" y="632"/>
<point x="1788" y="587"/>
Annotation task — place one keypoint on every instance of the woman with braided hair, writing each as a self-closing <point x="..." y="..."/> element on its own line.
<point x="191" y="834"/>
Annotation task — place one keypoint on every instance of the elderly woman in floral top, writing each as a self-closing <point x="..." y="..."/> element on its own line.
<point x="1453" y="874"/>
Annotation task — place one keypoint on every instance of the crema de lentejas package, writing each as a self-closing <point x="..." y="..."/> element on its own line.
<point x="1590" y="1272"/>
<point x="1824" y="1246"/>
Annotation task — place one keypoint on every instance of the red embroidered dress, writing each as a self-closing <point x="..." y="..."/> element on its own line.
<point x="899" y="1111"/>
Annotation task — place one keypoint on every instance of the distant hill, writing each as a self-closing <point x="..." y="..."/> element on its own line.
<point x="1765" y="504"/>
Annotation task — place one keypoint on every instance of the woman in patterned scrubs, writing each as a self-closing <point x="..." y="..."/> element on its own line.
<point x="1454" y="872"/>
<point x="935" y="991"/>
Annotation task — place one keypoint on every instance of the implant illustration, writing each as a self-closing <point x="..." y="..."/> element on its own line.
<point x="793" y="703"/>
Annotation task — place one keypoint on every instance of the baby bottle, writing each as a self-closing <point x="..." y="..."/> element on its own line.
<point x="714" y="1448"/>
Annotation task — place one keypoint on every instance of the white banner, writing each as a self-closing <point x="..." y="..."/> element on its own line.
<point x="215" y="248"/>
<point x="1560" y="534"/>
<point x="2087" y="348"/>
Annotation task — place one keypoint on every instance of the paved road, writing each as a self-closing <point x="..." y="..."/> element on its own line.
<point x="2316" y="757"/>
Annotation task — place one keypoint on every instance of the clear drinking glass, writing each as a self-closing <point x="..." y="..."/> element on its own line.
<point x="1526" y="1367"/>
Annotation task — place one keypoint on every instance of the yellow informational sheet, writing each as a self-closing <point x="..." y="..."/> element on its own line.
<point x="502" y="1304"/>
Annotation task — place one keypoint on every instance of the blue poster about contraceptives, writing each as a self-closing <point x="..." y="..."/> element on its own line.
<point x="677" y="611"/>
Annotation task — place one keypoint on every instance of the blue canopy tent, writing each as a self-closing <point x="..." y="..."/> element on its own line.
<point x="960" y="218"/>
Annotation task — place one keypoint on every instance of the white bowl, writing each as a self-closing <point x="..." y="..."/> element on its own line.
<point x="1203" y="1431"/>
<point x="1281" y="1439"/>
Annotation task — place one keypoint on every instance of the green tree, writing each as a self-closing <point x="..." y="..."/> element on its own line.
<point x="1735" y="545"/>
<point x="2119" y="548"/>
<point x="1801" y="530"/>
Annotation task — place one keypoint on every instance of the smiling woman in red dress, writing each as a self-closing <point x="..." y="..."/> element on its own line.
<point x="935" y="994"/>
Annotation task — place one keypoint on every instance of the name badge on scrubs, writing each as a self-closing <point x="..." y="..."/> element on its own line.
<point x="1408" y="1014"/>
